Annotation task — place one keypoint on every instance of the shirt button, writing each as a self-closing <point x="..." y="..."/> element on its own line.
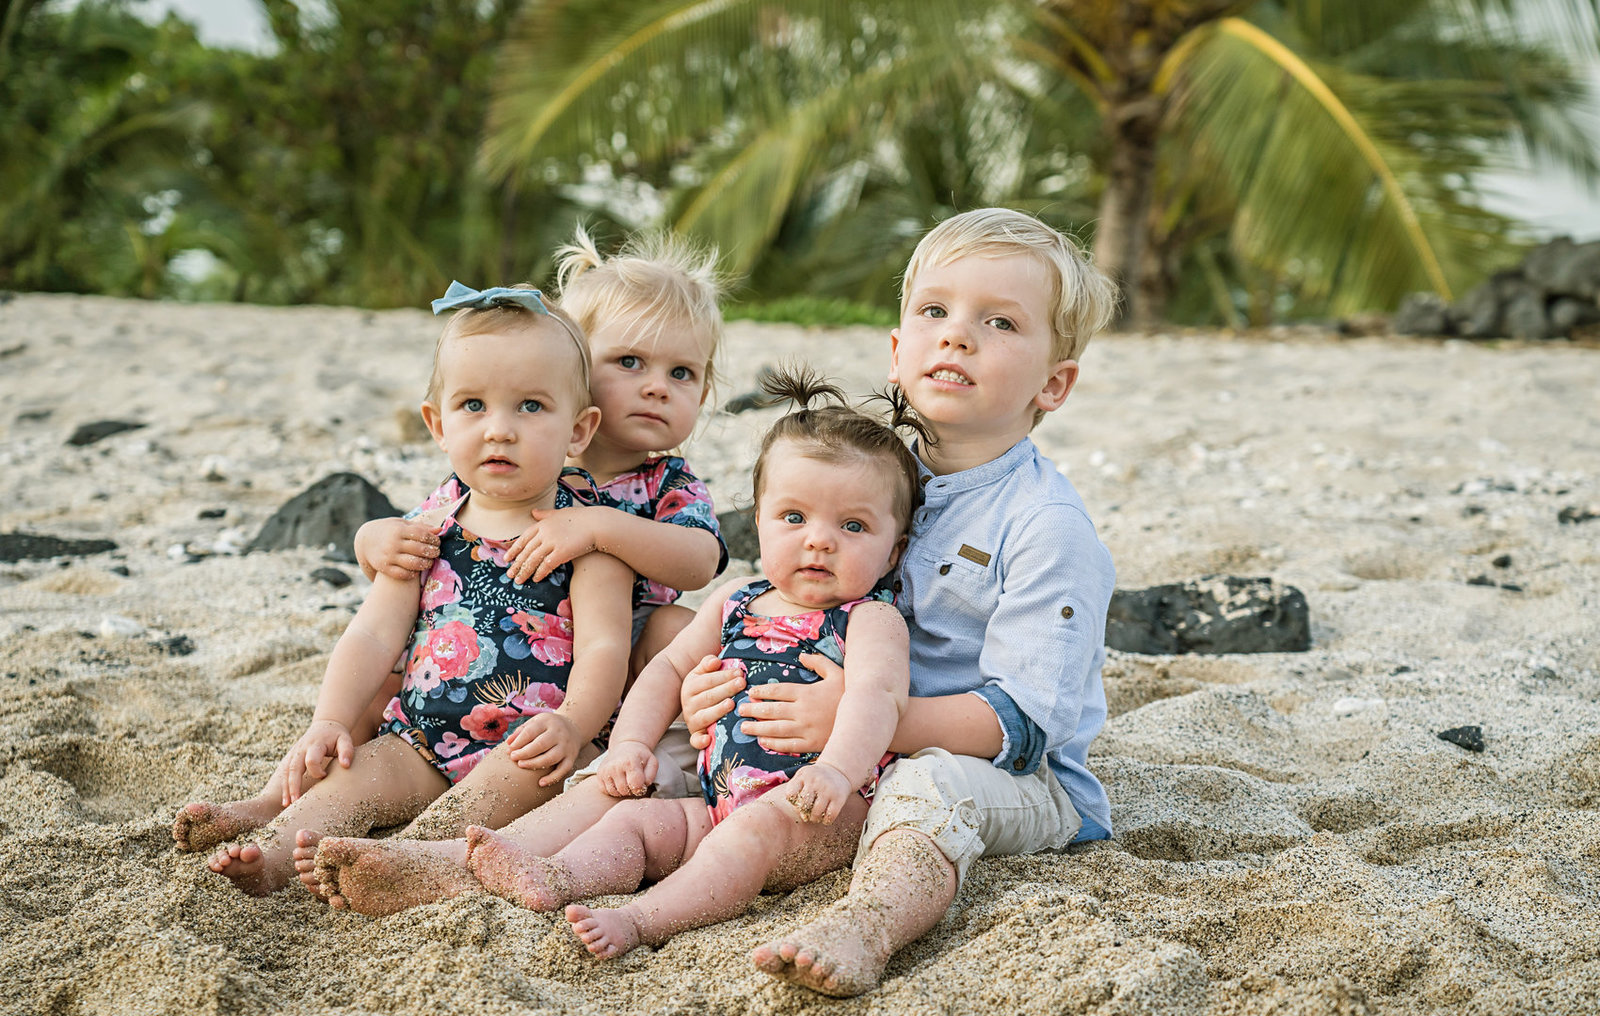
<point x="1019" y="765"/>
<point x="944" y="569"/>
<point x="1066" y="612"/>
<point x="897" y="586"/>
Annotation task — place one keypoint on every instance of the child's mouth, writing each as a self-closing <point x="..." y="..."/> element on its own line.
<point x="945" y="374"/>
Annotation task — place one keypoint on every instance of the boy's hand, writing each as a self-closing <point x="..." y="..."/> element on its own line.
<point x="399" y="548"/>
<point x="323" y="740"/>
<point x="546" y="741"/>
<point x="818" y="792"/>
<point x="629" y="769"/>
<point x="556" y="537"/>
<point x="795" y="718"/>
<point x="707" y="695"/>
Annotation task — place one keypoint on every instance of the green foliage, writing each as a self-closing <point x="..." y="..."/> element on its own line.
<point x="814" y="311"/>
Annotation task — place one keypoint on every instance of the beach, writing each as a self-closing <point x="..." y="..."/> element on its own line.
<point x="1292" y="835"/>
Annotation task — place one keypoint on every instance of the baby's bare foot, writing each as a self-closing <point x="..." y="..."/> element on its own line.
<point x="606" y="933"/>
<point x="382" y="877"/>
<point x="247" y="869"/>
<point x="201" y="825"/>
<point x="512" y="873"/>
<point x="305" y="866"/>
<point x="838" y="954"/>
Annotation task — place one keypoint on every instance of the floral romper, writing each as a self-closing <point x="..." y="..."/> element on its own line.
<point x="734" y="769"/>
<point x="485" y="653"/>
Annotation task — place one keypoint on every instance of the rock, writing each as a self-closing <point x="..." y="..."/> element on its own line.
<point x="1565" y="268"/>
<point x="1571" y="515"/>
<point x="1422" y="314"/>
<point x="89" y="433"/>
<point x="739" y="533"/>
<point x="326" y="514"/>
<point x="1366" y="324"/>
<point x="332" y="576"/>
<point x="211" y="513"/>
<point x="115" y="625"/>
<point x="1217" y="614"/>
<point x="1522" y="312"/>
<point x="1470" y="738"/>
<point x="29" y="547"/>
<point x="1477" y="314"/>
<point x="1568" y="313"/>
<point x="758" y="399"/>
<point x="175" y="645"/>
<point x="1503" y="561"/>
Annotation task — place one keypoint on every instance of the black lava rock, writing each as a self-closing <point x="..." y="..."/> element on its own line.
<point x="1217" y="614"/>
<point x="326" y="514"/>
<point x="29" y="547"/>
<point x="1470" y="738"/>
<point x="332" y="576"/>
<point x="89" y="433"/>
<point x="739" y="533"/>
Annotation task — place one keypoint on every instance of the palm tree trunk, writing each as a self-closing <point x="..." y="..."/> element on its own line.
<point x="1133" y="129"/>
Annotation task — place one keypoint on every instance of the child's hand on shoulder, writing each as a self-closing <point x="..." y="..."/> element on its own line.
<point x="546" y="741"/>
<point x="818" y="792"/>
<point x="323" y="740"/>
<point x="629" y="769"/>
<point x="399" y="548"/>
<point x="556" y="537"/>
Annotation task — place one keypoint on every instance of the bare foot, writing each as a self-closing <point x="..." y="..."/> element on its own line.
<point x="838" y="954"/>
<point x="382" y="877"/>
<point x="606" y="933"/>
<point x="510" y="872"/>
<point x="245" y="867"/>
<point x="201" y="825"/>
<point x="305" y="866"/>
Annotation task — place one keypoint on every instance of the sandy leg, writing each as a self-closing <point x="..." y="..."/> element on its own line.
<point x="248" y="869"/>
<point x="382" y="877"/>
<point x="606" y="933"/>
<point x="508" y="870"/>
<point x="201" y="825"/>
<point x="899" y="892"/>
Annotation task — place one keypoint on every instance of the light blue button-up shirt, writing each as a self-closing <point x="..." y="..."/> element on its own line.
<point x="1006" y="587"/>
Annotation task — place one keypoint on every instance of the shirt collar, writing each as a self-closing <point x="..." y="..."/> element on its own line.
<point x="951" y="484"/>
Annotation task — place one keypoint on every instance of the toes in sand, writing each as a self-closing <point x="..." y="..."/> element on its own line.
<point x="835" y="955"/>
<point x="512" y="873"/>
<point x="201" y="825"/>
<point x="382" y="877"/>
<point x="246" y="868"/>
<point x="305" y="866"/>
<point x="606" y="933"/>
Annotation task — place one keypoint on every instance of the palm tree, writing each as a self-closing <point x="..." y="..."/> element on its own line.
<point x="1326" y="148"/>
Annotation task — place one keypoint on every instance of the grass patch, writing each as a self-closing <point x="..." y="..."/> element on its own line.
<point x="812" y="310"/>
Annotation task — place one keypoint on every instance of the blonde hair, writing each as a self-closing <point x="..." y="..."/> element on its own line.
<point x="664" y="279"/>
<point x="507" y="318"/>
<point x="1082" y="298"/>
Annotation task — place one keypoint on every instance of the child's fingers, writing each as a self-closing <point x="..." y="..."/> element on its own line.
<point x="700" y="740"/>
<point x="346" y="749"/>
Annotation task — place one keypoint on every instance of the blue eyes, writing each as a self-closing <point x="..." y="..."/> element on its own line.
<point x="854" y="527"/>
<point x="629" y="362"/>
<point x="1004" y="324"/>
<point x="793" y="518"/>
<point x="525" y="406"/>
<point x="473" y="405"/>
<point x="798" y="518"/>
<point x="682" y="374"/>
<point x="531" y="406"/>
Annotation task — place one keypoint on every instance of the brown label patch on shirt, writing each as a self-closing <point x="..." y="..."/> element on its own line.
<point x="974" y="554"/>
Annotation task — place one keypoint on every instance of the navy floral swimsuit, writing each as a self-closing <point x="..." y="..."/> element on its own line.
<point x="485" y="653"/>
<point x="734" y="769"/>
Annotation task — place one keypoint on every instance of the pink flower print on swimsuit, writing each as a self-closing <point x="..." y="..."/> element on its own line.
<point x="485" y="654"/>
<point x="734" y="769"/>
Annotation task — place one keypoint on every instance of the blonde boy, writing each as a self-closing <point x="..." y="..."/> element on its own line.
<point x="1005" y="584"/>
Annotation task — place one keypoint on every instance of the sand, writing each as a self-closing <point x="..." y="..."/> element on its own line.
<point x="1293" y="837"/>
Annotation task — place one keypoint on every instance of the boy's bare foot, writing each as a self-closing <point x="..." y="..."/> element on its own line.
<point x="512" y="873"/>
<point x="201" y="825"/>
<point x="606" y="933"/>
<point x="838" y="954"/>
<point x="383" y="877"/>
<point x="245" y="867"/>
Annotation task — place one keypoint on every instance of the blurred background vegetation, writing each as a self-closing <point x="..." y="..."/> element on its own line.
<point x="1233" y="161"/>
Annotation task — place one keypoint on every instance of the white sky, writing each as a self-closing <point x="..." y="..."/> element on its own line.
<point x="1551" y="202"/>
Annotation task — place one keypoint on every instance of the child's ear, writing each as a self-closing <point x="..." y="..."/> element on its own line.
<point x="432" y="419"/>
<point x="583" y="427"/>
<point x="894" y="356"/>
<point x="1057" y="386"/>
<point x="899" y="548"/>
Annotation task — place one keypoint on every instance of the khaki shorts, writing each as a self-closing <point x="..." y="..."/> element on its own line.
<point x="675" y="765"/>
<point x="970" y="808"/>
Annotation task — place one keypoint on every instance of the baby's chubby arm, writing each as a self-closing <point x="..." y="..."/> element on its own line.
<point x="681" y="557"/>
<point x="877" y="676"/>
<point x="602" y="595"/>
<point x="399" y="548"/>
<point x="361" y="661"/>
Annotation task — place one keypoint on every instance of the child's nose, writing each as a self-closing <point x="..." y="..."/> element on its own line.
<point x="497" y="427"/>
<point x="955" y="336"/>
<point x="819" y="537"/>
<point x="655" y="384"/>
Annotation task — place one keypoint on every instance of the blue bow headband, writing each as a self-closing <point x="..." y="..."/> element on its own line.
<point x="458" y="297"/>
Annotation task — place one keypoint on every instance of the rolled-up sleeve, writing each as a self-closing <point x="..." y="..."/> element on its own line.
<point x="1023" y="742"/>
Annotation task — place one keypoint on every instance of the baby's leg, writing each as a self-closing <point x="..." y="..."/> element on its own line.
<point x="762" y="845"/>
<point x="201" y="825"/>
<point x="493" y="794"/>
<point x="377" y="877"/>
<point x="387" y="783"/>
<point x="635" y="841"/>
